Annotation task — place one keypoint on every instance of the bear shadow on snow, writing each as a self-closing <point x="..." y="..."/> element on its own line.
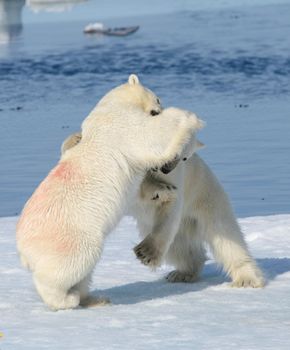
<point x="274" y="267"/>
<point x="137" y="292"/>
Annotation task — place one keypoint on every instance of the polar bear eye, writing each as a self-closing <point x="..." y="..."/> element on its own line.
<point x="154" y="112"/>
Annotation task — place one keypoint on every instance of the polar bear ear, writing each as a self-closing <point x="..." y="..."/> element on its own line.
<point x="199" y="144"/>
<point x="133" y="79"/>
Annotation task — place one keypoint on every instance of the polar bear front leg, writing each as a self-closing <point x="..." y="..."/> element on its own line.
<point x="155" y="246"/>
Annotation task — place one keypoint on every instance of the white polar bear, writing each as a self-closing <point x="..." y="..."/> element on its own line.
<point x="62" y="227"/>
<point x="178" y="213"/>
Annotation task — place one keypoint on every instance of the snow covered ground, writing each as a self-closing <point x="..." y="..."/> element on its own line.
<point x="146" y="311"/>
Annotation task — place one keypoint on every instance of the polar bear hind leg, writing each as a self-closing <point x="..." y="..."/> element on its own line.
<point x="230" y="251"/>
<point x="186" y="253"/>
<point x="56" y="297"/>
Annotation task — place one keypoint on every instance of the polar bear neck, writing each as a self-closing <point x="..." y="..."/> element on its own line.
<point x="109" y="113"/>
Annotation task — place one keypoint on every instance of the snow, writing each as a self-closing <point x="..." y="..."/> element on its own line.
<point x="146" y="311"/>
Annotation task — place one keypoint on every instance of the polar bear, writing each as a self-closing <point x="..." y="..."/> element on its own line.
<point x="61" y="230"/>
<point x="186" y="209"/>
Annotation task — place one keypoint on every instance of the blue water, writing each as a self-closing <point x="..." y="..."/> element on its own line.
<point x="229" y="65"/>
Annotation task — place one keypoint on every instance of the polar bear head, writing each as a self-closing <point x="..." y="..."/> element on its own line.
<point x="130" y="120"/>
<point x="135" y="95"/>
<point x="127" y="103"/>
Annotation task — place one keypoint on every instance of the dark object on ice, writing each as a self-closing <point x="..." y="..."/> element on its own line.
<point x="98" y="28"/>
<point x="18" y="108"/>
<point x="242" y="105"/>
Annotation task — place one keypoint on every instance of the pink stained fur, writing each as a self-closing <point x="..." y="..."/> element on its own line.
<point x="41" y="224"/>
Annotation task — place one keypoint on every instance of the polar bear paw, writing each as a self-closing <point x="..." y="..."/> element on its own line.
<point x="164" y="194"/>
<point x="70" y="301"/>
<point x="179" y="276"/>
<point x="148" y="253"/>
<point x="248" y="276"/>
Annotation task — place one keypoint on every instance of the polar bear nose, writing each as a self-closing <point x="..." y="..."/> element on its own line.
<point x="153" y="112"/>
<point x="166" y="168"/>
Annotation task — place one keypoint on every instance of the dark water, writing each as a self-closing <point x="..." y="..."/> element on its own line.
<point x="230" y="66"/>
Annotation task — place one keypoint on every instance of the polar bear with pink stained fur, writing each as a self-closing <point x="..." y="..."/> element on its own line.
<point x="61" y="231"/>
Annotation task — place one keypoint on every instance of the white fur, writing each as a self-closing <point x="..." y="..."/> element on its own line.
<point x="61" y="231"/>
<point x="197" y="212"/>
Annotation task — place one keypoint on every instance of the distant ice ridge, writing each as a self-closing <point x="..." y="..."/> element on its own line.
<point x="210" y="4"/>
<point x="147" y="311"/>
<point x="52" y="5"/>
<point x="124" y="8"/>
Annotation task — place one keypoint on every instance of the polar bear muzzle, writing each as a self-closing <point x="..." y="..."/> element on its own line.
<point x="169" y="166"/>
